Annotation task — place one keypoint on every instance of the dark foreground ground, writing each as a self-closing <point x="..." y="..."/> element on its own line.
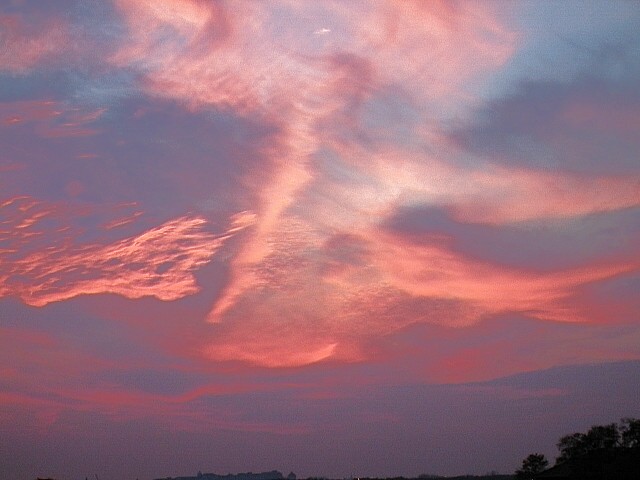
<point x="437" y="477"/>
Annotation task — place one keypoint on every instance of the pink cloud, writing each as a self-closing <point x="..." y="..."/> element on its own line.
<point x="159" y="262"/>
<point x="25" y="45"/>
<point x="249" y="70"/>
<point x="309" y="305"/>
<point x="435" y="272"/>
<point x="183" y="412"/>
<point x="30" y="387"/>
<point x="13" y="113"/>
<point x="284" y="293"/>
<point x="50" y="119"/>
<point x="536" y="348"/>
<point x="119" y="222"/>
<point x="72" y="122"/>
<point x="488" y="193"/>
<point x="411" y="41"/>
<point x="528" y="194"/>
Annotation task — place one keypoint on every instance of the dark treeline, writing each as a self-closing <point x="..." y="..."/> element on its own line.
<point x="605" y="452"/>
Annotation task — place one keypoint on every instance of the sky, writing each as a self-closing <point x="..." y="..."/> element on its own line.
<point x="339" y="238"/>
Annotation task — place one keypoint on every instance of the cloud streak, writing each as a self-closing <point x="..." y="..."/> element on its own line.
<point x="159" y="262"/>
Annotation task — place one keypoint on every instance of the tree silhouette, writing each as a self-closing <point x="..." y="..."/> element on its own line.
<point x="630" y="432"/>
<point x="572" y="446"/>
<point x="599" y="438"/>
<point x="531" y="466"/>
<point x="605" y="452"/>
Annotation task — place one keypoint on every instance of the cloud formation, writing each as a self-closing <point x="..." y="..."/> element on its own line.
<point x="159" y="262"/>
<point x="246" y="220"/>
<point x="319" y="182"/>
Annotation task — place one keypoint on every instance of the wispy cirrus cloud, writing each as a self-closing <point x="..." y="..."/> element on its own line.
<point x="159" y="262"/>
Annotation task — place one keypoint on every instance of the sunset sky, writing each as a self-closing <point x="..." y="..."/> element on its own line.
<point x="340" y="238"/>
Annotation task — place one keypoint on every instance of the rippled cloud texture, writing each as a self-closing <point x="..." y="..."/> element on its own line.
<point x="274" y="227"/>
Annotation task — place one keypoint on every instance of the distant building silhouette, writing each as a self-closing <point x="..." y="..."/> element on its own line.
<point x="273" y="475"/>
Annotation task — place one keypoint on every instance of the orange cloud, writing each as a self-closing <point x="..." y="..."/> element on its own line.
<point x="434" y="48"/>
<point x="250" y="70"/>
<point x="159" y="262"/>
<point x="51" y="119"/>
<point x="518" y="195"/>
<point x="486" y="193"/>
<point x="286" y="294"/>
<point x="435" y="272"/>
<point x="314" y="299"/>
